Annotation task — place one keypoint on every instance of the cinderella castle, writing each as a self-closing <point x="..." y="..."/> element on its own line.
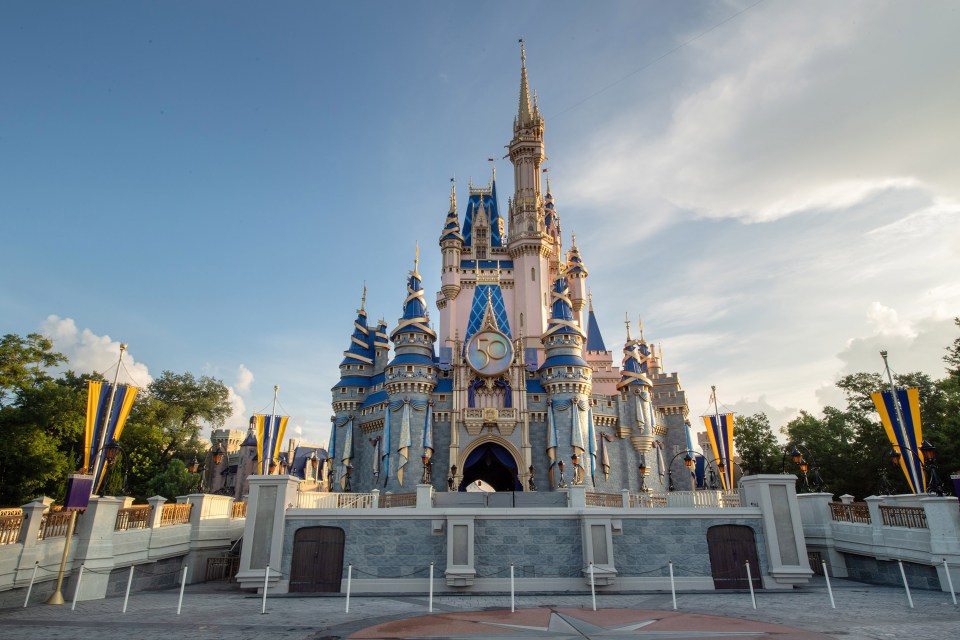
<point x="516" y="390"/>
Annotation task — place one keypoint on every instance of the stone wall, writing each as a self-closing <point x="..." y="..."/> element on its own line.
<point x="873" y="571"/>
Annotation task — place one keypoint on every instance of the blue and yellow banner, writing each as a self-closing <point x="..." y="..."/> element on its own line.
<point x="270" y="430"/>
<point x="720" y="431"/>
<point x="906" y="437"/>
<point x="101" y="429"/>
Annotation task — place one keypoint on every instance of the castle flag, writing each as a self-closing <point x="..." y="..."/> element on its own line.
<point x="101" y="429"/>
<point x="270" y="430"/>
<point x="720" y="431"/>
<point x="905" y="437"/>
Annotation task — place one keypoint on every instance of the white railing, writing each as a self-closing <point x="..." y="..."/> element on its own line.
<point x="318" y="500"/>
<point x="686" y="499"/>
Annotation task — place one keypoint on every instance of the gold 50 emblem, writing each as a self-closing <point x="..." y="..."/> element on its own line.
<point x="489" y="352"/>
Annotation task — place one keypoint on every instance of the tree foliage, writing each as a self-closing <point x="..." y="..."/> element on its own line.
<point x="43" y="419"/>
<point x="756" y="444"/>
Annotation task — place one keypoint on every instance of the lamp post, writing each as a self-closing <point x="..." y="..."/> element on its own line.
<point x="427" y="468"/>
<point x="215" y="455"/>
<point x="314" y="462"/>
<point x="346" y="483"/>
<point x="577" y="469"/>
<point x="927" y="457"/>
<point x="805" y="467"/>
<point x="110" y="452"/>
<point x="642" y="468"/>
<point x="688" y="457"/>
<point x="452" y="477"/>
<point x="563" y="483"/>
<point x="531" y="485"/>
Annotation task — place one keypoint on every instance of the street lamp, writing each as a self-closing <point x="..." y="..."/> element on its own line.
<point x="427" y="468"/>
<point x="928" y="457"/>
<point x="577" y="470"/>
<point x="346" y="484"/>
<point x="531" y="485"/>
<point x="642" y="468"/>
<point x="563" y="483"/>
<point x="451" y="477"/>
<point x="218" y="454"/>
<point x="805" y="467"/>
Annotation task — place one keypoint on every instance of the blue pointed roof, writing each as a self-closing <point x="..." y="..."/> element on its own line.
<point x="361" y="349"/>
<point x="575" y="264"/>
<point x="414" y="317"/>
<point x="492" y="209"/>
<point x="631" y="370"/>
<point x="380" y="338"/>
<point x="594" y="339"/>
<point x="479" y="306"/>
<point x="561" y="311"/>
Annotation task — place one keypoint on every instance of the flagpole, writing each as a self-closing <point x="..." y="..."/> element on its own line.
<point x="900" y="426"/>
<point x="97" y="465"/>
<point x="271" y="433"/>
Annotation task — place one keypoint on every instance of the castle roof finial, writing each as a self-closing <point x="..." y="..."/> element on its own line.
<point x="416" y="261"/>
<point x="363" y="299"/>
<point x="453" y="194"/>
<point x="525" y="114"/>
<point x="626" y="318"/>
<point x="590" y="298"/>
<point x="640" y="325"/>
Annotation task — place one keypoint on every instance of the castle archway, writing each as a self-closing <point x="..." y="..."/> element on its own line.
<point x="494" y="464"/>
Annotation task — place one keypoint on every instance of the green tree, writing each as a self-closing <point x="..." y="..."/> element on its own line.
<point x="756" y="444"/>
<point x="172" y="481"/>
<point x="184" y="402"/>
<point x="23" y="363"/>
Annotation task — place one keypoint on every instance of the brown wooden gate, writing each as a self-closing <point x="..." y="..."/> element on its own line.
<point x="731" y="545"/>
<point x="317" y="559"/>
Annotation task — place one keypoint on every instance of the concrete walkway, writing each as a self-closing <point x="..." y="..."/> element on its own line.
<point x="218" y="610"/>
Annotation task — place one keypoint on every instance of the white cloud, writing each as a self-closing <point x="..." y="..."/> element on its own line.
<point x="244" y="379"/>
<point x="88" y="352"/>
<point x="238" y="408"/>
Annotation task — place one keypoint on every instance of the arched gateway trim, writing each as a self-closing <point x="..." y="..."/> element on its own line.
<point x="498" y="457"/>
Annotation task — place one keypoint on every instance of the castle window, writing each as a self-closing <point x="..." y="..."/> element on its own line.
<point x="569" y="369"/>
<point x="409" y="369"/>
<point x="343" y="389"/>
<point x="443" y="398"/>
<point x="536" y="398"/>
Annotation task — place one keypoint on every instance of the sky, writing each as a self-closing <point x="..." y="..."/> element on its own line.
<point x="771" y="186"/>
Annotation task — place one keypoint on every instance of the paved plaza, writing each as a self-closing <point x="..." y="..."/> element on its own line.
<point x="218" y="610"/>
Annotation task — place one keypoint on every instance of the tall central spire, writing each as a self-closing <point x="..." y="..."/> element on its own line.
<point x="526" y="113"/>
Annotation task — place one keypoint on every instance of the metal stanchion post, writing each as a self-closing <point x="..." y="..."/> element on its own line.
<point x="829" y="588"/>
<point x="593" y="590"/>
<point x="127" y="596"/>
<point x="673" y="586"/>
<point x="946" y="568"/>
<point x="349" y="580"/>
<point x="753" y="596"/>
<point x="76" y="592"/>
<point x="903" y="575"/>
<point x="183" y="584"/>
<point x="513" y="604"/>
<point x="37" y="564"/>
<point x="266" y="578"/>
<point x="431" y="588"/>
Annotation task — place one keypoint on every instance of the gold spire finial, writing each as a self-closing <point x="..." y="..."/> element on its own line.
<point x="626" y="319"/>
<point x="548" y="184"/>
<point x="640" y="326"/>
<point x="363" y="299"/>
<point x="525" y="114"/>
<point x="590" y="298"/>
<point x="573" y="241"/>
<point x="660" y="352"/>
<point x="416" y="260"/>
<point x="453" y="194"/>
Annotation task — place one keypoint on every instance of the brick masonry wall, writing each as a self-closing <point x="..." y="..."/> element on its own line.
<point x="537" y="548"/>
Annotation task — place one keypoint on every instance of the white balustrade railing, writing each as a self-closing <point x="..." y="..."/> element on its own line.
<point x="320" y="500"/>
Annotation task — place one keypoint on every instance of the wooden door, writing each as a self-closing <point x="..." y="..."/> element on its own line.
<point x="317" y="559"/>
<point x="731" y="546"/>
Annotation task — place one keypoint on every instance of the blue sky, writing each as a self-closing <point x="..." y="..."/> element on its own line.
<point x="771" y="186"/>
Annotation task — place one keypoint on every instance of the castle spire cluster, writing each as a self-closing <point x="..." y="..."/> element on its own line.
<point x="517" y="376"/>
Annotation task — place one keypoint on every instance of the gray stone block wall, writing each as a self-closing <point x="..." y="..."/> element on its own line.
<point x="647" y="545"/>
<point x="380" y="548"/>
<point x="873" y="571"/>
<point x="537" y="548"/>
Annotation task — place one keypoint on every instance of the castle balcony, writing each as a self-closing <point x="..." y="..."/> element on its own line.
<point x="505" y="419"/>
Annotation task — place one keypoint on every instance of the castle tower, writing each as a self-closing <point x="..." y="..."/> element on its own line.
<point x="567" y="379"/>
<point x="451" y="247"/>
<point x="577" y="276"/>
<point x="529" y="244"/>
<point x="410" y="379"/>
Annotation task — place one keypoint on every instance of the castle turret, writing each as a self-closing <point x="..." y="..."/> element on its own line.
<point x="577" y="276"/>
<point x="567" y="379"/>
<point x="451" y="248"/>
<point x="410" y="379"/>
<point x="635" y="388"/>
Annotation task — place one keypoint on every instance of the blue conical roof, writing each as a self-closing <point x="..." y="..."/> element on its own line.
<point x="361" y="347"/>
<point x="414" y="309"/>
<point x="561" y="311"/>
<point x="594" y="339"/>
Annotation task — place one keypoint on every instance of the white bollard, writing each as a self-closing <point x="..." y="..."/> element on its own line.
<point x="266" y="578"/>
<point x="183" y="584"/>
<point x="829" y="588"/>
<point x="673" y="586"/>
<point x="593" y="590"/>
<point x="945" y="568"/>
<point x="903" y="574"/>
<point x="349" y="580"/>
<point x="431" y="588"/>
<point x="37" y="564"/>
<point x="127" y="596"/>
<point x="513" y="603"/>
<point x="753" y="597"/>
<point x="76" y="591"/>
